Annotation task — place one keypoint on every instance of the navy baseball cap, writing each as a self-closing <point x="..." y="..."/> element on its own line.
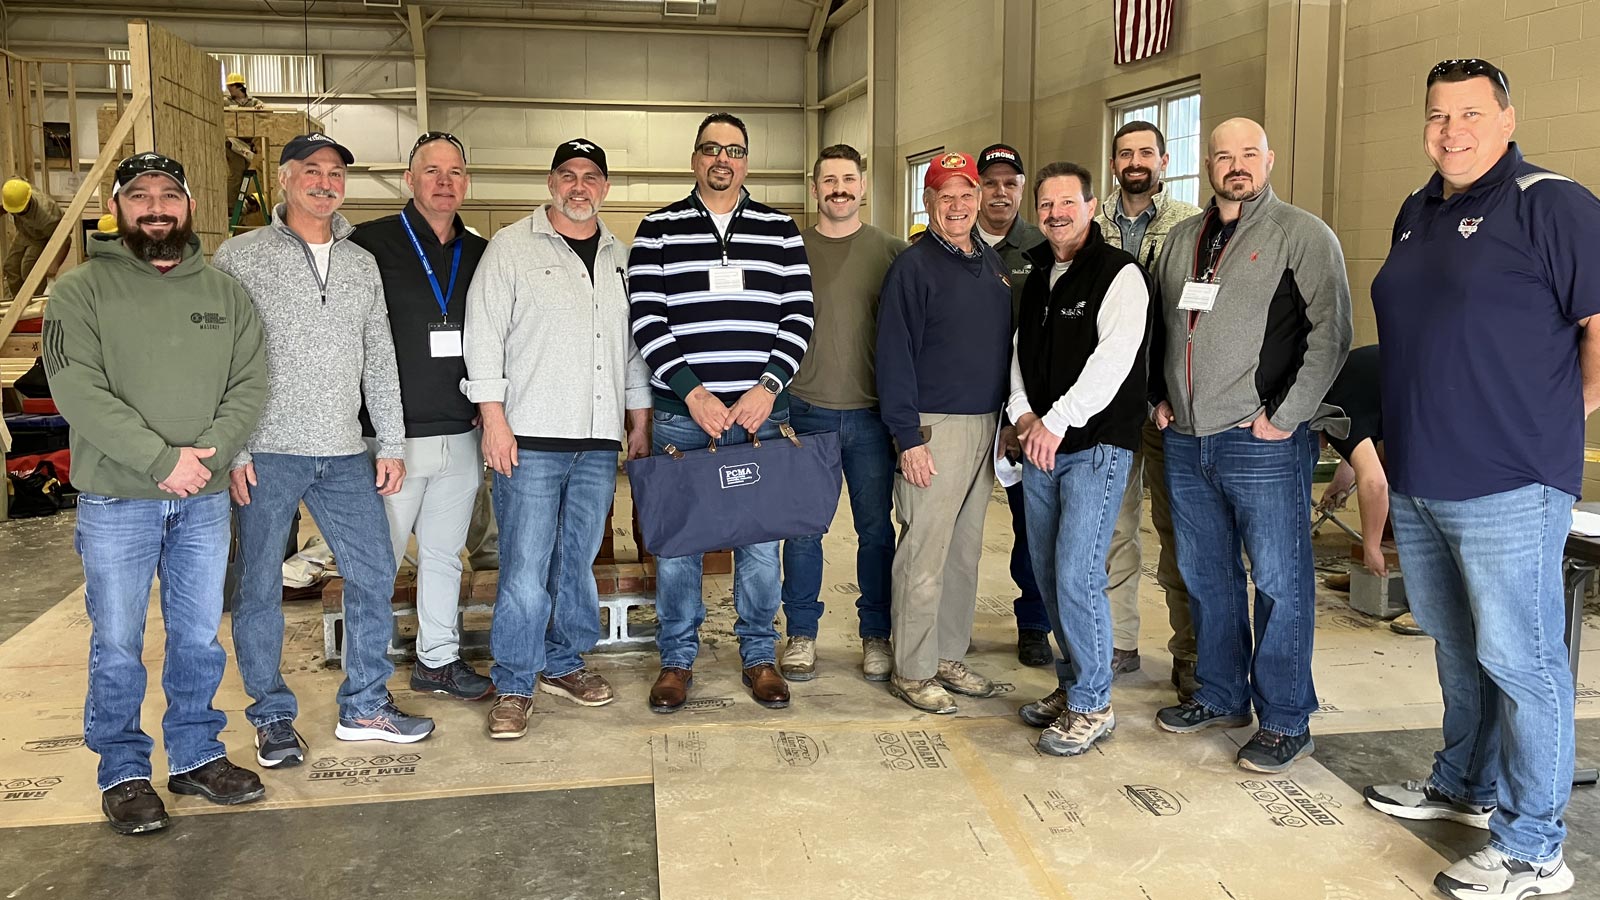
<point x="307" y="144"/>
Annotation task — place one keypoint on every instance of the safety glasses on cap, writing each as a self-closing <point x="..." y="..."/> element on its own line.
<point x="1473" y="68"/>
<point x="437" y="136"/>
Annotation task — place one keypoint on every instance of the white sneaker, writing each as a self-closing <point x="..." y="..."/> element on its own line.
<point x="1491" y="875"/>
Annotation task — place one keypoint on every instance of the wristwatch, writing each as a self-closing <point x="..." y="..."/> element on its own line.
<point x="770" y="383"/>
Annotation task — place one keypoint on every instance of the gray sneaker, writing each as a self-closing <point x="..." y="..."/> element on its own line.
<point x="386" y="723"/>
<point x="1420" y="801"/>
<point x="1075" y="732"/>
<point x="799" y="659"/>
<point x="278" y="745"/>
<point x="1040" y="713"/>
<point x="1493" y="875"/>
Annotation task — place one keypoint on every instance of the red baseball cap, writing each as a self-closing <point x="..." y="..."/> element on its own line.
<point x="948" y="166"/>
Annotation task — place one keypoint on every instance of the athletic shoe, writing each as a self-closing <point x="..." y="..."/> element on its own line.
<point x="1422" y="802"/>
<point x="386" y="723"/>
<point x="1491" y="875"/>
<point x="278" y="745"/>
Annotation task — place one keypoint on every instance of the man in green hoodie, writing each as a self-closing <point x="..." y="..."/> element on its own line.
<point x="156" y="361"/>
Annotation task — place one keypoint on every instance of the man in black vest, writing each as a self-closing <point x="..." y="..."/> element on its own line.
<point x="1077" y="396"/>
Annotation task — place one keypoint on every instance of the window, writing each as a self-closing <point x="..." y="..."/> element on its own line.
<point x="264" y="73"/>
<point x="1176" y="111"/>
<point x="916" y="170"/>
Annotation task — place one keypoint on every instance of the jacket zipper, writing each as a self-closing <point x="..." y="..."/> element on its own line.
<point x="1194" y="317"/>
<point x="322" y="283"/>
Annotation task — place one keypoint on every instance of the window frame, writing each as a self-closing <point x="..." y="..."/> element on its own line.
<point x="916" y="168"/>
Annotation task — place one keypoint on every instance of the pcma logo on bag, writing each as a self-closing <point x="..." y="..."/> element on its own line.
<point x="740" y="476"/>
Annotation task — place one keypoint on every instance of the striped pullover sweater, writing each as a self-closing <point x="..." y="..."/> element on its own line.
<point x="691" y="335"/>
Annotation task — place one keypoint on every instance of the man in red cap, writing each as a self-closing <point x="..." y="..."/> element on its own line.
<point x="944" y="351"/>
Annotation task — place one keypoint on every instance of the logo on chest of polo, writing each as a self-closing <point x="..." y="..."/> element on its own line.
<point x="1469" y="227"/>
<point x="208" y="321"/>
<point x="742" y="475"/>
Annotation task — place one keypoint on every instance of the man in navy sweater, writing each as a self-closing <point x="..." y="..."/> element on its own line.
<point x="720" y="297"/>
<point x="944" y="355"/>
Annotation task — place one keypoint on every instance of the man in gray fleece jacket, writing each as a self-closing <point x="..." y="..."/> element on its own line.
<point x="1254" y="325"/>
<point x="320" y="300"/>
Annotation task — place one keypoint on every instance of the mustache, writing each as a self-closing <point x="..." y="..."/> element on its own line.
<point x="840" y="196"/>
<point x="322" y="192"/>
<point x="1052" y="222"/>
<point x="1238" y="173"/>
<point x="156" y="220"/>
<point x="1135" y="170"/>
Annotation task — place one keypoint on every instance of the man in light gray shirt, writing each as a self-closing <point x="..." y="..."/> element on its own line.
<point x="321" y="305"/>
<point x="552" y="399"/>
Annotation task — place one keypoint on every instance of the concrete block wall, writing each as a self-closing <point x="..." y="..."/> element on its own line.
<point x="1223" y="43"/>
<point x="1546" y="47"/>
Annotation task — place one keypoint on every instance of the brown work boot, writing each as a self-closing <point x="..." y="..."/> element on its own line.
<point x="877" y="659"/>
<point x="671" y="690"/>
<point x="925" y="694"/>
<point x="219" y="781"/>
<point x="767" y="686"/>
<point x="800" y="658"/>
<point x="1124" y="661"/>
<point x="582" y="687"/>
<point x="1040" y="713"/>
<point x="955" y="676"/>
<point x="1338" y="581"/>
<point x="508" y="717"/>
<point x="132" y="807"/>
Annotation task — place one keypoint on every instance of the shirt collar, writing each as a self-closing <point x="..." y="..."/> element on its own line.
<point x="1149" y="212"/>
<point x="1500" y="171"/>
<point x="424" y="231"/>
<point x="977" y="244"/>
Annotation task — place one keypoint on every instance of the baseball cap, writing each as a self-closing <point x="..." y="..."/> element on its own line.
<point x="949" y="166"/>
<point x="307" y="144"/>
<point x="145" y="163"/>
<point x="1000" y="153"/>
<point x="580" y="148"/>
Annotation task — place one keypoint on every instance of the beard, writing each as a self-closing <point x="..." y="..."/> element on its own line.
<point x="1135" y="180"/>
<point x="577" y="213"/>
<point x="1226" y="192"/>
<point x="168" y="249"/>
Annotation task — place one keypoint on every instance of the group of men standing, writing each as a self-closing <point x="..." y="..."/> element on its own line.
<point x="371" y="372"/>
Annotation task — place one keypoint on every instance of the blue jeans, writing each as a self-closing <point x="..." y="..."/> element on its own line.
<point x="552" y="515"/>
<point x="123" y="544"/>
<point x="339" y="492"/>
<point x="1029" y="606"/>
<point x="868" y="457"/>
<point x="1484" y="580"/>
<point x="1232" y="489"/>
<point x="1071" y="514"/>
<point x="680" y="604"/>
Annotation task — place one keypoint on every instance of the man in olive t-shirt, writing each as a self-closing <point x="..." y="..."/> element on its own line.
<point x="836" y="390"/>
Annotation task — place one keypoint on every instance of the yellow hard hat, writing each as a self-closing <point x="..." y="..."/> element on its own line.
<point x="235" y="78"/>
<point x="108" y="224"/>
<point x="916" y="230"/>
<point x="15" y="195"/>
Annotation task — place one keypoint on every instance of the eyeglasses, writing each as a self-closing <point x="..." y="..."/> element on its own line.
<point x="1472" y="68"/>
<point x="713" y="149"/>
<point x="437" y="136"/>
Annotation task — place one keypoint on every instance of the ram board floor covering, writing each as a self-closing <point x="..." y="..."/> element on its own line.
<point x="849" y="793"/>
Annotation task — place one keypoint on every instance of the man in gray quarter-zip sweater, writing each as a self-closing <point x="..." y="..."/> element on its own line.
<point x="320" y="300"/>
<point x="1254" y="324"/>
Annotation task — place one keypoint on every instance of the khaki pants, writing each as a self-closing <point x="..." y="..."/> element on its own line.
<point x="1123" y="564"/>
<point x="935" y="579"/>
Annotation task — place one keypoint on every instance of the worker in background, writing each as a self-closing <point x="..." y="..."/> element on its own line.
<point x="107" y="224"/>
<point x="1011" y="236"/>
<point x="916" y="233"/>
<point x="239" y="95"/>
<point x="35" y="216"/>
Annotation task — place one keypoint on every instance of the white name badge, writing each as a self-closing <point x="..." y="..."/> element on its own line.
<point x="1199" y="296"/>
<point x="444" y="340"/>
<point x="727" y="279"/>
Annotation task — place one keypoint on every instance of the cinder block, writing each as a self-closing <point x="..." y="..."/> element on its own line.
<point x="1382" y="597"/>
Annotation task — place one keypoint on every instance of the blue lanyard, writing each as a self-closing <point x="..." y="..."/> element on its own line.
<point x="442" y="296"/>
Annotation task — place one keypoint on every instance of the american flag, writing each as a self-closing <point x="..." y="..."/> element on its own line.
<point x="1143" y="28"/>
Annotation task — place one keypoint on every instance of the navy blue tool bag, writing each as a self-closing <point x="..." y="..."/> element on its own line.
<point x="716" y="498"/>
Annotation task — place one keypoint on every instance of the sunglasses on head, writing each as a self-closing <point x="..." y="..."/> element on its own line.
<point x="1473" y="68"/>
<point x="712" y="149"/>
<point x="437" y="136"/>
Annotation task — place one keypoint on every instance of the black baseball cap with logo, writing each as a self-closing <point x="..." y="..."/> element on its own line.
<point x="143" y="164"/>
<point x="307" y="144"/>
<point x="1000" y="153"/>
<point x="580" y="148"/>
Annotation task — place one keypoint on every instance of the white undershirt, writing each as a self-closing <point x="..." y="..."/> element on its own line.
<point x="321" y="253"/>
<point x="1058" y="270"/>
<point x="722" y="221"/>
<point x="990" y="239"/>
<point x="1120" y="323"/>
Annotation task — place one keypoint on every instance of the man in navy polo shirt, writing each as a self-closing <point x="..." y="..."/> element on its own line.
<point x="1491" y="360"/>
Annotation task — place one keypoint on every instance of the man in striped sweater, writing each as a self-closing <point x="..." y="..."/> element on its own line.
<point x="721" y="305"/>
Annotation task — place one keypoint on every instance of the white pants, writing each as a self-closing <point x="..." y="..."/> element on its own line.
<point x="435" y="502"/>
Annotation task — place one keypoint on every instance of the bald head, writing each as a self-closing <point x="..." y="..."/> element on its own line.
<point x="1238" y="159"/>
